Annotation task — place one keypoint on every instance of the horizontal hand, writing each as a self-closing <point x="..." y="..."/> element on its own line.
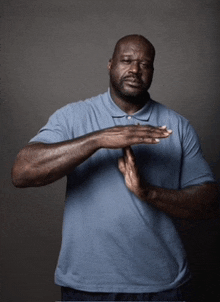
<point x="39" y="164"/>
<point x="125" y="136"/>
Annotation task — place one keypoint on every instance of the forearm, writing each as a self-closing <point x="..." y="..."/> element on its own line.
<point x="40" y="164"/>
<point x="195" y="202"/>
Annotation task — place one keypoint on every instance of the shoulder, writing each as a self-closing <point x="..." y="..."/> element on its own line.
<point x="80" y="108"/>
<point x="181" y="126"/>
<point x="168" y="114"/>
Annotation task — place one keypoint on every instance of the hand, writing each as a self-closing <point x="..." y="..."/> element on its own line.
<point x="125" y="136"/>
<point x="127" y="166"/>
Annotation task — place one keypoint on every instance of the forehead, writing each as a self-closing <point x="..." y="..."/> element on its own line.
<point x="135" y="48"/>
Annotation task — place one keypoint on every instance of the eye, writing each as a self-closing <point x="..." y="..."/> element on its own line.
<point x="146" y="65"/>
<point x="126" y="61"/>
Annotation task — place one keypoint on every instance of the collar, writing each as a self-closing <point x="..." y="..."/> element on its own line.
<point x="143" y="114"/>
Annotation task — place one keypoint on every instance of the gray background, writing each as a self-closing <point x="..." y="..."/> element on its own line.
<point x="55" y="52"/>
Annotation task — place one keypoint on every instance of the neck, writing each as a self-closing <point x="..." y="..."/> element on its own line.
<point x="130" y="106"/>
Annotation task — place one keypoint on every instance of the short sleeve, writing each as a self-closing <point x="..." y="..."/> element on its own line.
<point x="195" y="170"/>
<point x="57" y="128"/>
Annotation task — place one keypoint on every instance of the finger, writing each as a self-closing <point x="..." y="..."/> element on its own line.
<point x="163" y="127"/>
<point x="150" y="131"/>
<point x="130" y="157"/>
<point x="143" y="140"/>
<point x="121" y="165"/>
<point x="149" y="140"/>
<point x="149" y="135"/>
<point x="126" y="161"/>
<point x="130" y="161"/>
<point x="159" y="130"/>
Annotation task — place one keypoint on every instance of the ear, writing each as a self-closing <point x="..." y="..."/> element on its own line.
<point x="109" y="64"/>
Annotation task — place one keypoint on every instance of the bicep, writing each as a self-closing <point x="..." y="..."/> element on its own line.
<point x="194" y="168"/>
<point x="205" y="198"/>
<point x="56" y="130"/>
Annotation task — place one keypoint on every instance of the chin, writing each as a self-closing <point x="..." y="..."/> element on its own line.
<point x="133" y="95"/>
<point x="128" y="93"/>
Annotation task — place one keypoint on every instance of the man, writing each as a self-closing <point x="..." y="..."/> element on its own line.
<point x="132" y="166"/>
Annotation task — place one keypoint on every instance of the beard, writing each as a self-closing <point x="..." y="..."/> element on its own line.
<point x="138" y="95"/>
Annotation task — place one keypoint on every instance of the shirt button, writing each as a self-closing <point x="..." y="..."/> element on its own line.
<point x="129" y="117"/>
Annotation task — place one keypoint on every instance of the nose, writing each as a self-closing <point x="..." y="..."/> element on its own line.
<point x="134" y="67"/>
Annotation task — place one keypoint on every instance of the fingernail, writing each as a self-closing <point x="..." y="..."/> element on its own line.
<point x="163" y="127"/>
<point x="170" y="131"/>
<point x="157" y="140"/>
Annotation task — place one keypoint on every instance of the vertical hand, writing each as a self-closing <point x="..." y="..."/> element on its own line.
<point x="127" y="166"/>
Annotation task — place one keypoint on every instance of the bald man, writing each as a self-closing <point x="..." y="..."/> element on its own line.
<point x="132" y="167"/>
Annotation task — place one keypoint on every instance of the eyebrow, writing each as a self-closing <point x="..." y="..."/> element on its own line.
<point x="131" y="56"/>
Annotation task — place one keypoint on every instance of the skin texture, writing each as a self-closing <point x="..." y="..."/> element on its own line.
<point x="196" y="202"/>
<point x="131" y="73"/>
<point x="39" y="164"/>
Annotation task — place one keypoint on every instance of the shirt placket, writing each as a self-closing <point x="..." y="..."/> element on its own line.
<point x="131" y="120"/>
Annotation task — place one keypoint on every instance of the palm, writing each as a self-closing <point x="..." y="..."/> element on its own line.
<point x="129" y="169"/>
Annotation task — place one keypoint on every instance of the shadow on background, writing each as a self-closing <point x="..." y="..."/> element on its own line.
<point x="202" y="243"/>
<point x="55" y="52"/>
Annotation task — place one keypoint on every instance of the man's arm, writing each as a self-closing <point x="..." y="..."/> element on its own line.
<point x="39" y="164"/>
<point x="195" y="202"/>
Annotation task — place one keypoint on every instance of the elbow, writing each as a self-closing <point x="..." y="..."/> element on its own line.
<point x="19" y="171"/>
<point x="18" y="177"/>
<point x="205" y="204"/>
<point x="21" y="174"/>
<point x="25" y="176"/>
<point x="25" y="172"/>
<point x="18" y="183"/>
<point x="201" y="215"/>
<point x="211" y="209"/>
<point x="15" y="181"/>
<point x="205" y="212"/>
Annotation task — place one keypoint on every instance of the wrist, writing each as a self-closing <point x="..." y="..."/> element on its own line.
<point x="98" y="139"/>
<point x="144" y="191"/>
<point x="94" y="141"/>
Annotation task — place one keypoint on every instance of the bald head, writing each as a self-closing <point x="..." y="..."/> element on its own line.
<point x="131" y="71"/>
<point x="138" y="40"/>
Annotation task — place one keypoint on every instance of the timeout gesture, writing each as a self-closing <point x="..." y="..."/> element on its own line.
<point x="127" y="166"/>
<point x="125" y="136"/>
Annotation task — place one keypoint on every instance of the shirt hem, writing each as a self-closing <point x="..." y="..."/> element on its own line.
<point x="123" y="288"/>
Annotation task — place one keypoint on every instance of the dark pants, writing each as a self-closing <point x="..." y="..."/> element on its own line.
<point x="181" y="293"/>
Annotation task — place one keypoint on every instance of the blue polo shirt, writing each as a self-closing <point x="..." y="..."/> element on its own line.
<point x="112" y="241"/>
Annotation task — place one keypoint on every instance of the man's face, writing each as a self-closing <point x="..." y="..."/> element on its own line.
<point x="131" y="70"/>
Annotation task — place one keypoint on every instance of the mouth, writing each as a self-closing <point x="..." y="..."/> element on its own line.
<point x="134" y="82"/>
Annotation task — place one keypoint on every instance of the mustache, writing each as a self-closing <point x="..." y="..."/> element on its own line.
<point x="132" y="78"/>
